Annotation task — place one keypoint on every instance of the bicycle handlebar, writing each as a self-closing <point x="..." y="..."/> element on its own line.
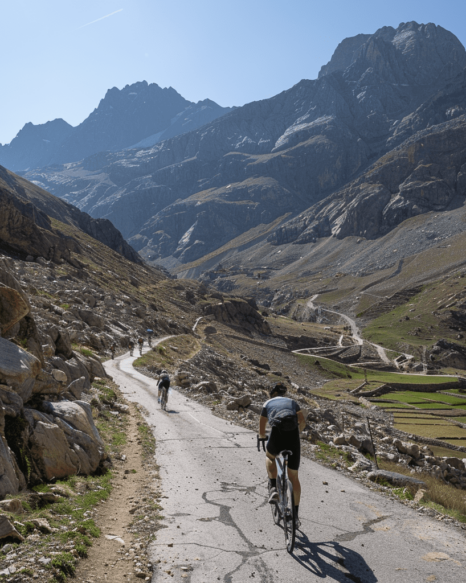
<point x="259" y="440"/>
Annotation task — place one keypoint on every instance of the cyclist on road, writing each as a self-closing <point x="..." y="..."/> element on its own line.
<point x="286" y="421"/>
<point x="140" y="343"/>
<point x="131" y="347"/>
<point x="113" y="349"/>
<point x="164" y="383"/>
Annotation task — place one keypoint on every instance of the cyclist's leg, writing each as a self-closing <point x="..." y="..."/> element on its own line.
<point x="294" y="479"/>
<point x="271" y="466"/>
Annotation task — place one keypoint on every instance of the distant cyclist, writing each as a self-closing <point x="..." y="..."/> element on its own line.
<point x="113" y="349"/>
<point x="163" y="385"/>
<point x="286" y="421"/>
<point x="141" y="344"/>
<point x="149" y="336"/>
<point x="131" y="347"/>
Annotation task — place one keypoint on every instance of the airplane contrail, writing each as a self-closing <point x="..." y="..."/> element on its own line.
<point x="111" y="14"/>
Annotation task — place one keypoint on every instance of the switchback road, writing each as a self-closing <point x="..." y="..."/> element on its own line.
<point x="219" y="525"/>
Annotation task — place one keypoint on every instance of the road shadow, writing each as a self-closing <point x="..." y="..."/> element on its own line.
<point x="333" y="560"/>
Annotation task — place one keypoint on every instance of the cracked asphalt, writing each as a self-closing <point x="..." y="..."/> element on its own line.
<point x="219" y="525"/>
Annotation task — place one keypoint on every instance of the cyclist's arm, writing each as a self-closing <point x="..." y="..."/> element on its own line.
<point x="262" y="426"/>
<point x="301" y="420"/>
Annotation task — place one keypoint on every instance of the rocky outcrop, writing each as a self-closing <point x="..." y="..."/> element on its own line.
<point x="62" y="440"/>
<point x="240" y="313"/>
<point x="25" y="224"/>
<point x="423" y="174"/>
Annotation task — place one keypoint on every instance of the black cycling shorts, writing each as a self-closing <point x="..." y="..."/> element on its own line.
<point x="280" y="440"/>
<point x="164" y="384"/>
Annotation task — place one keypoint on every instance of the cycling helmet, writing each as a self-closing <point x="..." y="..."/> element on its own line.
<point x="279" y="389"/>
<point x="164" y="372"/>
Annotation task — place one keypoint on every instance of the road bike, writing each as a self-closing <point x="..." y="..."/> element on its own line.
<point x="283" y="510"/>
<point x="163" y="398"/>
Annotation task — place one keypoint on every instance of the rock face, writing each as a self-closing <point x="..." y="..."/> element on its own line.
<point x="61" y="439"/>
<point x="192" y="194"/>
<point x="140" y="114"/>
<point x="25" y="224"/>
<point x="240" y="313"/>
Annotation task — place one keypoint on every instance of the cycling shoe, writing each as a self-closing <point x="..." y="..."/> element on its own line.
<point x="273" y="495"/>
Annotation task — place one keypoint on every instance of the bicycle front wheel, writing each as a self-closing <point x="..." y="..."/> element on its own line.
<point x="289" y="517"/>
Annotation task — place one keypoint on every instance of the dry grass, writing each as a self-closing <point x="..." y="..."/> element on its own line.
<point x="167" y="354"/>
<point x="439" y="495"/>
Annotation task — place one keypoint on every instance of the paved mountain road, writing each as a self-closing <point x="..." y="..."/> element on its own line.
<point x="219" y="525"/>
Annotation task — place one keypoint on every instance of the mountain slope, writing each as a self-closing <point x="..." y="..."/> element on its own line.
<point x="122" y="119"/>
<point x="188" y="196"/>
<point x="25" y="218"/>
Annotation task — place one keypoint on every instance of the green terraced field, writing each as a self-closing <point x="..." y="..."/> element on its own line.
<point x="430" y="422"/>
<point x="396" y="406"/>
<point x="445" y="452"/>
<point x="437" y="406"/>
<point x="434" y="431"/>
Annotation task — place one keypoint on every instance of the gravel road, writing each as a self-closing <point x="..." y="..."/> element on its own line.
<point x="219" y="525"/>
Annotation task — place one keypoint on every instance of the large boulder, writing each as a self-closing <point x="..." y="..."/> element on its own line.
<point x="77" y="387"/>
<point x="49" y="446"/>
<point x="77" y="414"/>
<point x="395" y="478"/>
<point x="12" y="402"/>
<point x="13" y="307"/>
<point x="91" y="318"/>
<point x="406" y="448"/>
<point x="63" y="344"/>
<point x="18" y="368"/>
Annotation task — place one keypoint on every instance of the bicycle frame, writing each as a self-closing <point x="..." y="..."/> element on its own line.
<point x="284" y="509"/>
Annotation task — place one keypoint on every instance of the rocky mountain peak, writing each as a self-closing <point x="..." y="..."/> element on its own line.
<point x="343" y="55"/>
<point x="413" y="54"/>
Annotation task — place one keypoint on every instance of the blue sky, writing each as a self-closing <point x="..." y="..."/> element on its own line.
<point x="60" y="57"/>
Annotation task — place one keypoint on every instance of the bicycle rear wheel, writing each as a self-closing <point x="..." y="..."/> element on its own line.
<point x="289" y="517"/>
<point x="163" y="399"/>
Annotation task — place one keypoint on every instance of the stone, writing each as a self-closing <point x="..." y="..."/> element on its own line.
<point x="208" y="330"/>
<point x="206" y="387"/>
<point x="59" y="376"/>
<point x="51" y="452"/>
<point x="419" y="496"/>
<point x="42" y="525"/>
<point x="12" y="402"/>
<point x="366" y="445"/>
<point x="13" y="307"/>
<point x="16" y="365"/>
<point x="354" y="441"/>
<point x="76" y="387"/>
<point x="455" y="462"/>
<point x="77" y="414"/>
<point x="395" y="478"/>
<point x="14" y="506"/>
<point x="361" y="464"/>
<point x="63" y="344"/>
<point x="91" y="318"/>
<point x="8" y="530"/>
<point x="340" y="440"/>
<point x="361" y="427"/>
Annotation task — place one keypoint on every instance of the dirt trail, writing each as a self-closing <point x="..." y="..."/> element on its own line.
<point x="104" y="563"/>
